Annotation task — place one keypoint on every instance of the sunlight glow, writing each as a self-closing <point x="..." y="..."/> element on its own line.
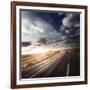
<point x="39" y="50"/>
<point x="35" y="50"/>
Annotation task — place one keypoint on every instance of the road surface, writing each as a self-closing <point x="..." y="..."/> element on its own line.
<point x="60" y="65"/>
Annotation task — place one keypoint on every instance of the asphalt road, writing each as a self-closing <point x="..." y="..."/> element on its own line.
<point x="60" y="65"/>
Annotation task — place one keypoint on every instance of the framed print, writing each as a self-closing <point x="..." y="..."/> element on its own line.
<point x="48" y="44"/>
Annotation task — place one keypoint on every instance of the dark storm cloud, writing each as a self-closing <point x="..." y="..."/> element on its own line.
<point x="53" y="26"/>
<point x="71" y="26"/>
<point x="36" y="27"/>
<point x="71" y="20"/>
<point x="25" y="44"/>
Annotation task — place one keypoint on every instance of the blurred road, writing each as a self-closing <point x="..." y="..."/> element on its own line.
<point x="62" y="64"/>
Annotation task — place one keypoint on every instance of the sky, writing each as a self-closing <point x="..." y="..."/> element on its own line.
<point x="47" y="27"/>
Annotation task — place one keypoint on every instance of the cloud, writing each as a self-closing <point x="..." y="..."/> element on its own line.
<point x="35" y="28"/>
<point x="70" y="27"/>
<point x="25" y="44"/>
<point x="71" y="20"/>
<point x="60" y="13"/>
<point x="67" y="31"/>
